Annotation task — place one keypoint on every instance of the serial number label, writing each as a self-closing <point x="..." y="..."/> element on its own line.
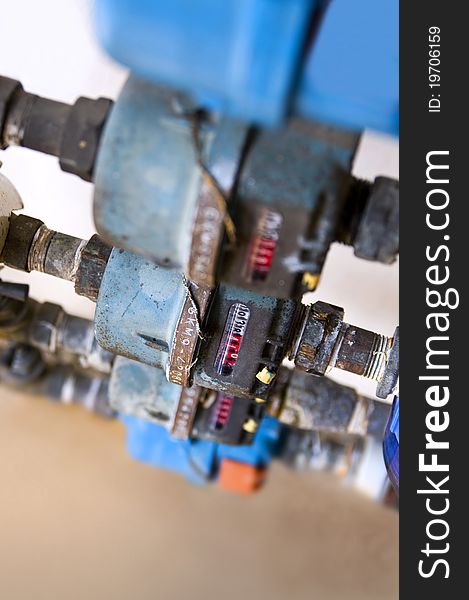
<point x="186" y="335"/>
<point x="434" y="73"/>
<point x="185" y="413"/>
<point x="206" y="238"/>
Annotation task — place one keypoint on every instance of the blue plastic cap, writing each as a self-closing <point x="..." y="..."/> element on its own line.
<point x="391" y="445"/>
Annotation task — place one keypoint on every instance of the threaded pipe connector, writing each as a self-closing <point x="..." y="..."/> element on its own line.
<point x="378" y="358"/>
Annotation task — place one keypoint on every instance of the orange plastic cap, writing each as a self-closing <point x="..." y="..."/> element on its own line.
<point x="240" y="477"/>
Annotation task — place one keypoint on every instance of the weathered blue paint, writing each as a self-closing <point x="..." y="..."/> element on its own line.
<point x="147" y="177"/>
<point x="143" y="391"/>
<point x="198" y="460"/>
<point x="138" y="308"/>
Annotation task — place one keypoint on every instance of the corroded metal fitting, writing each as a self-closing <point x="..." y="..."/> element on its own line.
<point x="70" y="132"/>
<point x="55" y="253"/>
<point x="32" y="246"/>
<point x="318" y="335"/>
<point x="324" y="341"/>
<point x="361" y="352"/>
<point x="89" y="274"/>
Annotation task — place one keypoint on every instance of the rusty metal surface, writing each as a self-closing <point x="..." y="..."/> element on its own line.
<point x="318" y="337"/>
<point x="355" y="349"/>
<point x="62" y="257"/>
<point x="324" y="341"/>
<point x="91" y="268"/>
<point x="32" y="246"/>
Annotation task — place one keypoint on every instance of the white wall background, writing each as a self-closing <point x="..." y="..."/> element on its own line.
<point x="50" y="47"/>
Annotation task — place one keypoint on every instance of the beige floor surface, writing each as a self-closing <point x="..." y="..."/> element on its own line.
<point x="80" y="521"/>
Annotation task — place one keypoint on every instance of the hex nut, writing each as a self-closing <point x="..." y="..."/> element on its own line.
<point x="81" y="136"/>
<point x="322" y="328"/>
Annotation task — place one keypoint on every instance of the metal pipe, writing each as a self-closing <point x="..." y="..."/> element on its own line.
<point x="71" y="132"/>
<point x="55" y="253"/>
<point x="31" y="246"/>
